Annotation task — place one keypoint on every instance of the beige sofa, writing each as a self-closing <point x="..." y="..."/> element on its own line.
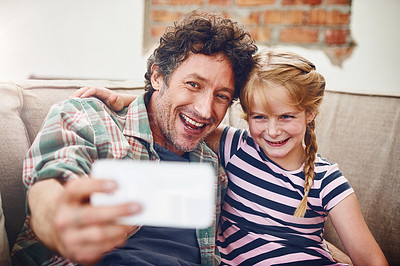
<point x="360" y="132"/>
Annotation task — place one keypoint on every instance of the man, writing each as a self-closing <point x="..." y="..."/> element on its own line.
<point x="197" y="70"/>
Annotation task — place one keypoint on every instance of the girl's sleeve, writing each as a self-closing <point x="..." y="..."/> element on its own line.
<point x="335" y="188"/>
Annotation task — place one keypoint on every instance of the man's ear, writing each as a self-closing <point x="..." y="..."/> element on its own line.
<point x="156" y="78"/>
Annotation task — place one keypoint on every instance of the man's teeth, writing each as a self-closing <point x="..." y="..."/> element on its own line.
<point x="191" y="122"/>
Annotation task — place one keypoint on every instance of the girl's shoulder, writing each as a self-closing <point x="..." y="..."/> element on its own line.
<point x="322" y="161"/>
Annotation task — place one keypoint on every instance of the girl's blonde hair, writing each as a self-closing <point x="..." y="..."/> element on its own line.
<point x="304" y="86"/>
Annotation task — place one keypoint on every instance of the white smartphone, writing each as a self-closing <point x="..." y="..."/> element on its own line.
<point x="172" y="194"/>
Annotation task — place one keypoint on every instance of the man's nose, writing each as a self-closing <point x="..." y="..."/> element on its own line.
<point x="204" y="104"/>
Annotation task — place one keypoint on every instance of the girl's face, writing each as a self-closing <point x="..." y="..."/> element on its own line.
<point x="278" y="127"/>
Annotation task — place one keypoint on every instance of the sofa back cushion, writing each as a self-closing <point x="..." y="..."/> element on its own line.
<point x="40" y="95"/>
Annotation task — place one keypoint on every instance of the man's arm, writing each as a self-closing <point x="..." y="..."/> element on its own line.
<point x="63" y="219"/>
<point x="59" y="189"/>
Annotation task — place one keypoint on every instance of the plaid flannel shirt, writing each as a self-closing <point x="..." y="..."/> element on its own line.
<point x="75" y="133"/>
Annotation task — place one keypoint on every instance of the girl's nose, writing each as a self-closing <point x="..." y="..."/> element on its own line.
<point x="273" y="128"/>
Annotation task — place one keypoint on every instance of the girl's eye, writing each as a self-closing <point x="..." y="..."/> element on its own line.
<point x="287" y="116"/>
<point x="258" y="117"/>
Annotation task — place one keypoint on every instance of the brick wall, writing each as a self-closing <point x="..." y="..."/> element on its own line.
<point x="315" y="24"/>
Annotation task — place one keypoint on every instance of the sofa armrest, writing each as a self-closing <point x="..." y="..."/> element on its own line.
<point x="4" y="250"/>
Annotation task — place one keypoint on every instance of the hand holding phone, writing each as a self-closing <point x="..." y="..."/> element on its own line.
<point x="173" y="194"/>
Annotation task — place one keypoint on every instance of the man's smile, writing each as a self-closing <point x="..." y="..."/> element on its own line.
<point x="190" y="123"/>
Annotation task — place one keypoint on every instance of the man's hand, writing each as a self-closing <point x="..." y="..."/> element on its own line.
<point x="338" y="255"/>
<point x="114" y="100"/>
<point x="66" y="221"/>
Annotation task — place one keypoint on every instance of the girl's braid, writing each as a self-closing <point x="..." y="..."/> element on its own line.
<point x="310" y="141"/>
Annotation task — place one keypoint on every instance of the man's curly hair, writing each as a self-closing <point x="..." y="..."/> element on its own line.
<point x="205" y="33"/>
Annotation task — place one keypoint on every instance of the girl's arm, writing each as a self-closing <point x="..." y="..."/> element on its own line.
<point x="115" y="100"/>
<point x="349" y="223"/>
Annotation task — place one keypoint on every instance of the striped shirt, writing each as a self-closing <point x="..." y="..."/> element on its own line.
<point x="77" y="132"/>
<point x="257" y="223"/>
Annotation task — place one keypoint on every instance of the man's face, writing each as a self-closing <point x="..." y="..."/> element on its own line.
<point x="194" y="102"/>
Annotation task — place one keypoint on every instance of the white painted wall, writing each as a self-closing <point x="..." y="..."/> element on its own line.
<point x="103" y="39"/>
<point x="71" y="39"/>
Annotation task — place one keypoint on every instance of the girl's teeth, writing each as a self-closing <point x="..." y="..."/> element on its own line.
<point x="277" y="142"/>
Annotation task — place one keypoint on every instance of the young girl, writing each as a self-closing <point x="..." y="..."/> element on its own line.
<point x="280" y="190"/>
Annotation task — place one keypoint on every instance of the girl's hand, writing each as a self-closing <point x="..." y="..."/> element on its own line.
<point x="114" y="100"/>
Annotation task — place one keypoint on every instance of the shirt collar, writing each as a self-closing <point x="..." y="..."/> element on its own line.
<point x="137" y="121"/>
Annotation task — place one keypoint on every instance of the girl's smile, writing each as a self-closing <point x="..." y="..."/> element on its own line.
<point x="277" y="143"/>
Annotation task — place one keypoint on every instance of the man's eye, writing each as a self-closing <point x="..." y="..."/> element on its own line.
<point x="224" y="98"/>
<point x="193" y="84"/>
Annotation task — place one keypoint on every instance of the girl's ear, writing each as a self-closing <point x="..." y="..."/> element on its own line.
<point x="310" y="117"/>
<point x="156" y="78"/>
